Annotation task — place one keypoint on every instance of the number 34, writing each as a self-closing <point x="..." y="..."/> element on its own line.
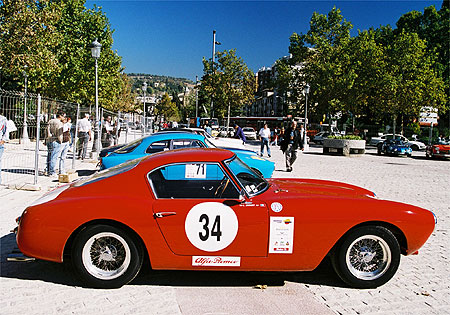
<point x="215" y="230"/>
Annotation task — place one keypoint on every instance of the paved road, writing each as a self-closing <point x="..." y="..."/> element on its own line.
<point x="419" y="287"/>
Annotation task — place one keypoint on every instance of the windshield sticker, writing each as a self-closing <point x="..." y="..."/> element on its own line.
<point x="195" y="171"/>
<point x="211" y="226"/>
<point x="281" y="238"/>
<point x="216" y="261"/>
<point x="276" y="207"/>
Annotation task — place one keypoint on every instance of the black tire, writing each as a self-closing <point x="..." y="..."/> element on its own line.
<point x="119" y="257"/>
<point x="379" y="149"/>
<point x="415" y="147"/>
<point x="367" y="257"/>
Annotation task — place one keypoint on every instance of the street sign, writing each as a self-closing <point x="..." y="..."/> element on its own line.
<point x="428" y="116"/>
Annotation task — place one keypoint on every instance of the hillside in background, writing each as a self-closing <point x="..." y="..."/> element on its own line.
<point x="157" y="84"/>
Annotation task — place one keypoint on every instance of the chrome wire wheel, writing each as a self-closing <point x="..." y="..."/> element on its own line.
<point x="368" y="257"/>
<point x="106" y="256"/>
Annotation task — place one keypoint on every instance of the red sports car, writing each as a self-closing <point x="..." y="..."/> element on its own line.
<point x="204" y="209"/>
<point x="441" y="149"/>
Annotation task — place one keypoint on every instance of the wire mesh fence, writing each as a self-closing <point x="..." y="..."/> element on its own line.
<point x="26" y="156"/>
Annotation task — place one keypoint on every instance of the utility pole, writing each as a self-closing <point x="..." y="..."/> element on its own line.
<point x="213" y="72"/>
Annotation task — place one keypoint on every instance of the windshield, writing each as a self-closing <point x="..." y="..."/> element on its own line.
<point x="251" y="181"/>
<point x="130" y="146"/>
<point x="116" y="170"/>
<point x="209" y="144"/>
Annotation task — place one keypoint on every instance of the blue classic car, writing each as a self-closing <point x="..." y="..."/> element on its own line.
<point x="177" y="140"/>
<point x="394" y="147"/>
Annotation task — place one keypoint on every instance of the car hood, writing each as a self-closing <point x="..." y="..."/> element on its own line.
<point x="317" y="187"/>
<point x="442" y="146"/>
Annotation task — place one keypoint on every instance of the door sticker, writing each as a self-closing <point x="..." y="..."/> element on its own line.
<point x="195" y="171"/>
<point x="276" y="207"/>
<point x="211" y="226"/>
<point x="281" y="238"/>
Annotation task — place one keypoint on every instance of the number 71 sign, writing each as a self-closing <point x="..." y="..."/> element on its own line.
<point x="195" y="171"/>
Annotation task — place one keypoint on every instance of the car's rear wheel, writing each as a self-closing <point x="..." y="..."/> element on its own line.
<point x="415" y="147"/>
<point x="367" y="257"/>
<point x="104" y="256"/>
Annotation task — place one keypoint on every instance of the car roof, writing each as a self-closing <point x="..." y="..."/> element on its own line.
<point x="174" y="135"/>
<point x="186" y="155"/>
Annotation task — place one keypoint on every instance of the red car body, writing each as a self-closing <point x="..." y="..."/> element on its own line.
<point x="321" y="212"/>
<point x="438" y="150"/>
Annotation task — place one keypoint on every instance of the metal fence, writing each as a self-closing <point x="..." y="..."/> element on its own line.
<point x="24" y="160"/>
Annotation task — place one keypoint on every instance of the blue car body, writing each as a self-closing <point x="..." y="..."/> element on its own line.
<point x="178" y="140"/>
<point x="394" y="147"/>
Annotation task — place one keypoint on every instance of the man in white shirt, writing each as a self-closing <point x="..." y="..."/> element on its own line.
<point x="84" y="135"/>
<point x="264" y="134"/>
<point x="4" y="137"/>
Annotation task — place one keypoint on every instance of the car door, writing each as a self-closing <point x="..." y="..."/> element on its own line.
<point x="198" y="211"/>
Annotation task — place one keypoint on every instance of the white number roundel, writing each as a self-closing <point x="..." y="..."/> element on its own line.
<point x="211" y="226"/>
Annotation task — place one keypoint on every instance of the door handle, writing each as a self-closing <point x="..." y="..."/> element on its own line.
<point x="163" y="214"/>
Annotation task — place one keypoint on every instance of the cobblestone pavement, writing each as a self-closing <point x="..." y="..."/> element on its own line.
<point x="420" y="286"/>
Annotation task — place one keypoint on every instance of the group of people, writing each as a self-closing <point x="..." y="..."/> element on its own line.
<point x="290" y="140"/>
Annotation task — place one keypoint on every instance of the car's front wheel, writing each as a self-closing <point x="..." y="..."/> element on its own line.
<point x="104" y="256"/>
<point x="367" y="257"/>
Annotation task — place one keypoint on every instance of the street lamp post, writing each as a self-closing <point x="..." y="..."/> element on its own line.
<point x="25" y="138"/>
<point x="144" y="89"/>
<point x="213" y="73"/>
<point x="95" y="51"/>
<point x="306" y="91"/>
<point x="196" y="100"/>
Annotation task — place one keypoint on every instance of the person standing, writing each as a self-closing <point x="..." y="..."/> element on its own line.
<point x="239" y="133"/>
<point x="264" y="134"/>
<point x="107" y="130"/>
<point x="208" y="129"/>
<point x="67" y="125"/>
<point x="84" y="136"/>
<point x="54" y="141"/>
<point x="292" y="140"/>
<point x="4" y="137"/>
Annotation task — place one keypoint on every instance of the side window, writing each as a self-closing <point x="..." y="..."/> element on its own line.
<point x="187" y="143"/>
<point x="158" y="146"/>
<point x="192" y="181"/>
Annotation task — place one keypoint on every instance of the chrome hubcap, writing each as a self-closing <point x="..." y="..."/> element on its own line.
<point x="106" y="256"/>
<point x="368" y="257"/>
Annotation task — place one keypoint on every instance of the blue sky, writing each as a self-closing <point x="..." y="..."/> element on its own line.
<point x="171" y="37"/>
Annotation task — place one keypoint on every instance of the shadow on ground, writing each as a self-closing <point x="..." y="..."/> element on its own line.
<point x="62" y="274"/>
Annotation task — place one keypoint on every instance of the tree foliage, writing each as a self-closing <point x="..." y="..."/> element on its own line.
<point x="52" y="39"/>
<point x="378" y="74"/>
<point x="228" y="82"/>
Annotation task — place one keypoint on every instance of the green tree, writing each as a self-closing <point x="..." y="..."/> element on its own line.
<point x="323" y="59"/>
<point x="52" y="38"/>
<point x="27" y="35"/>
<point x="231" y="85"/>
<point x="167" y="109"/>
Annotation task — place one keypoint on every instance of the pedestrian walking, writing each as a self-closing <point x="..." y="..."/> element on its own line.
<point x="107" y="132"/>
<point x="4" y="137"/>
<point x="65" y="145"/>
<point x="239" y="133"/>
<point x="264" y="134"/>
<point x="292" y="140"/>
<point x="84" y="136"/>
<point x="54" y="141"/>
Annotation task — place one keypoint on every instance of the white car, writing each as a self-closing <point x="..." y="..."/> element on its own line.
<point x="223" y="132"/>
<point x="415" y="145"/>
<point x="249" y="133"/>
<point x="218" y="142"/>
<point x="320" y="136"/>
